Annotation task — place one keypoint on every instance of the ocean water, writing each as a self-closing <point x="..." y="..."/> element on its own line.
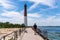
<point x="53" y="32"/>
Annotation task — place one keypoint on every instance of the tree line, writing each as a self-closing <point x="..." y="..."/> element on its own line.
<point x="10" y="25"/>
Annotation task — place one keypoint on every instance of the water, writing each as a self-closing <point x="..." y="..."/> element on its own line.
<point x="53" y="31"/>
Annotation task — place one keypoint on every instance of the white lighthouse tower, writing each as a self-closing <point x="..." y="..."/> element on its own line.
<point x="25" y="15"/>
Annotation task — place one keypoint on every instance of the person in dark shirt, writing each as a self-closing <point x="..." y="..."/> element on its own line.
<point x="35" y="28"/>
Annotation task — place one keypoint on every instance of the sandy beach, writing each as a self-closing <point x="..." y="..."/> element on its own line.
<point x="5" y="31"/>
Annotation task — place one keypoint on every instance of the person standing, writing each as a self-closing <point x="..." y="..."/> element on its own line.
<point x="35" y="28"/>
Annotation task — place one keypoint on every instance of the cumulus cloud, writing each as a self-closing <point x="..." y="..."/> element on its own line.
<point x="35" y="15"/>
<point x="14" y="17"/>
<point x="12" y="14"/>
<point x="41" y="21"/>
<point x="50" y="21"/>
<point x="17" y="17"/>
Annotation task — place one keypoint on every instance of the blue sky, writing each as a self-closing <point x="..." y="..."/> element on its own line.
<point x="41" y="12"/>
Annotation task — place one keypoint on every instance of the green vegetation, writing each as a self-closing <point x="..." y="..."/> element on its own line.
<point x="10" y="25"/>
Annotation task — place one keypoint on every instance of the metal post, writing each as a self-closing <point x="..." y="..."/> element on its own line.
<point x="0" y="39"/>
<point x="19" y="32"/>
<point x="15" y="35"/>
<point x="3" y="37"/>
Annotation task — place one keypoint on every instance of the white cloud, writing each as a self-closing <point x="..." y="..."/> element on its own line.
<point x="33" y="18"/>
<point x="12" y="14"/>
<point x="36" y="15"/>
<point x="13" y="17"/>
<point x="16" y="17"/>
<point x="49" y="21"/>
<point x="43" y="10"/>
<point x="50" y="3"/>
<point x="33" y="6"/>
<point x="6" y="4"/>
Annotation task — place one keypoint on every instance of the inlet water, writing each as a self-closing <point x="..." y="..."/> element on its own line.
<point x="53" y="32"/>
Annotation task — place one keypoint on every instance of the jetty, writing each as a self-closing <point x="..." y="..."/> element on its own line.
<point x="30" y="35"/>
<point x="21" y="34"/>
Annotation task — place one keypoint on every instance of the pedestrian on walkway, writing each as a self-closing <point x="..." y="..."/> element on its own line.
<point x="35" y="28"/>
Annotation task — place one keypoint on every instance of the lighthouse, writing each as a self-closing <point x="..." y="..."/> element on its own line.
<point x="25" y="15"/>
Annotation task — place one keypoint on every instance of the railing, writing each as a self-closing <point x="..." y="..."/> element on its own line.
<point x="43" y="34"/>
<point x="13" y="36"/>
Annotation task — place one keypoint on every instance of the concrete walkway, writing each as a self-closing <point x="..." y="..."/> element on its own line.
<point x="29" y="35"/>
